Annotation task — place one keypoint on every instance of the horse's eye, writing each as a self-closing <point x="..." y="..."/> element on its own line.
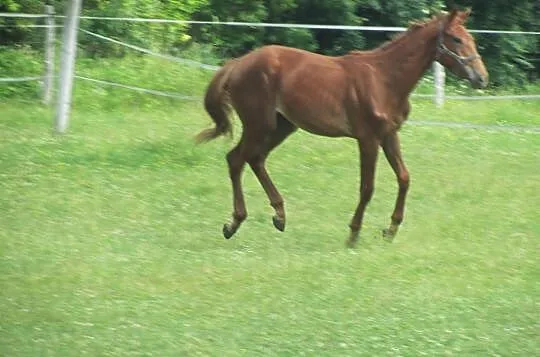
<point x="457" y="40"/>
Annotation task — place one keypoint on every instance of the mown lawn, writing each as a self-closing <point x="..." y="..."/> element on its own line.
<point x="110" y="240"/>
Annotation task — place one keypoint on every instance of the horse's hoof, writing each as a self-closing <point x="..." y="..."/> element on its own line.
<point x="227" y="231"/>
<point x="350" y="243"/>
<point x="388" y="234"/>
<point x="353" y="239"/>
<point x="279" y="223"/>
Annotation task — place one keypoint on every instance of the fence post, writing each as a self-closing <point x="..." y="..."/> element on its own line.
<point x="49" y="54"/>
<point x="439" y="78"/>
<point x="67" y="65"/>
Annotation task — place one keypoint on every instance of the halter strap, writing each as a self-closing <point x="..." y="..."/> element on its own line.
<point x="442" y="49"/>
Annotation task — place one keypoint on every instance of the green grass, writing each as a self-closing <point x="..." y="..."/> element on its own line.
<point x="489" y="112"/>
<point x="110" y="240"/>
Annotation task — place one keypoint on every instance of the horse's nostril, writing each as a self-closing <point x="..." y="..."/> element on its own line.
<point x="483" y="81"/>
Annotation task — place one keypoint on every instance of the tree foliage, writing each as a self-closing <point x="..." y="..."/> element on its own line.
<point x="510" y="58"/>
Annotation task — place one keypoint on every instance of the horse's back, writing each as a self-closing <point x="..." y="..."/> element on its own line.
<point x="281" y="60"/>
<point x="312" y="91"/>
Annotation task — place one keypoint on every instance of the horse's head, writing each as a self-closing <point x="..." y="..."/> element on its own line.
<point x="456" y="50"/>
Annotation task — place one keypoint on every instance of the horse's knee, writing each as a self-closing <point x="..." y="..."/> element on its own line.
<point x="257" y="163"/>
<point x="235" y="162"/>
<point x="366" y="193"/>
<point x="404" y="180"/>
<point x="232" y="157"/>
<point x="239" y="216"/>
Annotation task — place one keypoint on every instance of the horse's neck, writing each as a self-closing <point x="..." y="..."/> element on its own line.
<point x="407" y="59"/>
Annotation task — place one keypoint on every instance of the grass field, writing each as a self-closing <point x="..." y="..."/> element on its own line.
<point x="110" y="240"/>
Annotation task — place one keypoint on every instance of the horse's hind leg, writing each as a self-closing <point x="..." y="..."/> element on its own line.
<point x="253" y="98"/>
<point x="236" y="162"/>
<point x="253" y="147"/>
<point x="257" y="162"/>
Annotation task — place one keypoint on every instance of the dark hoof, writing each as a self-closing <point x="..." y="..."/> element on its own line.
<point x="279" y="223"/>
<point x="227" y="231"/>
<point x="388" y="234"/>
<point x="350" y="243"/>
<point x="353" y="239"/>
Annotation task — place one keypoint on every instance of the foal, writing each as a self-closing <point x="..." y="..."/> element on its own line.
<point x="361" y="95"/>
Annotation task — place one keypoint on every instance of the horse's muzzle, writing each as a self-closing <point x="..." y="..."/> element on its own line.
<point x="478" y="81"/>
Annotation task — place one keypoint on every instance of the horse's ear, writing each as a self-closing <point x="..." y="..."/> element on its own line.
<point x="463" y="16"/>
<point x="451" y="17"/>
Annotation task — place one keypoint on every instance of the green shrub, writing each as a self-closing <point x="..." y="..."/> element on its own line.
<point x="19" y="62"/>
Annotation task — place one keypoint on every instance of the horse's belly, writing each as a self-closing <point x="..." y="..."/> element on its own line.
<point x="315" y="116"/>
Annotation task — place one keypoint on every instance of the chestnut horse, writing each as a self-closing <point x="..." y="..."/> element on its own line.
<point x="362" y="95"/>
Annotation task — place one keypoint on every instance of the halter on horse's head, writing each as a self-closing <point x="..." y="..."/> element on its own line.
<point x="456" y="50"/>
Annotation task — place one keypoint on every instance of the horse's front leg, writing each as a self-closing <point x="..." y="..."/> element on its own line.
<point x="368" y="159"/>
<point x="392" y="151"/>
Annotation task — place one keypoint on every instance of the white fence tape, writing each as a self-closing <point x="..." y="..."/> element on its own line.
<point x="485" y="127"/>
<point x="30" y="26"/>
<point x="256" y="24"/>
<point x="19" y="15"/>
<point x="139" y="89"/>
<point x="272" y="24"/>
<point x="493" y="97"/>
<point x="150" y="52"/>
<point x="21" y="79"/>
<point x="482" y="97"/>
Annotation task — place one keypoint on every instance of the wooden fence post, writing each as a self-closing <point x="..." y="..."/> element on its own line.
<point x="49" y="55"/>
<point x="439" y="78"/>
<point x="67" y="69"/>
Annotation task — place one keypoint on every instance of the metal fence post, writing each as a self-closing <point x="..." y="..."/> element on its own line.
<point x="49" y="54"/>
<point x="67" y="69"/>
<point x="439" y="78"/>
